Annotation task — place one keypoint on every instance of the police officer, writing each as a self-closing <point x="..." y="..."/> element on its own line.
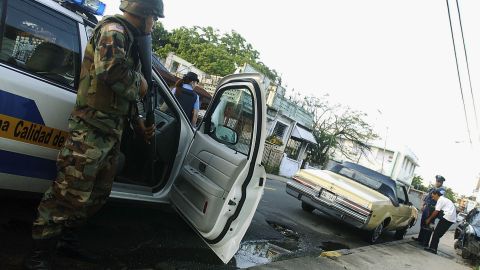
<point x="428" y="208"/>
<point x="187" y="97"/>
<point x="110" y="84"/>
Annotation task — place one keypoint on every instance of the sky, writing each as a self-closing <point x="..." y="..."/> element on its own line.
<point x="393" y="60"/>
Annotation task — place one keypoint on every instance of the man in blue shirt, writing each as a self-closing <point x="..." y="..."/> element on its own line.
<point x="427" y="209"/>
<point x="187" y="98"/>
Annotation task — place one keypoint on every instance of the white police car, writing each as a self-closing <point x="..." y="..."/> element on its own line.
<point x="212" y="175"/>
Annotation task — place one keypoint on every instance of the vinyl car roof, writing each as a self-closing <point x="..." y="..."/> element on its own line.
<point x="388" y="187"/>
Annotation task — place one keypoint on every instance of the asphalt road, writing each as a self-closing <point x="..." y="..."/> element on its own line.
<point x="129" y="235"/>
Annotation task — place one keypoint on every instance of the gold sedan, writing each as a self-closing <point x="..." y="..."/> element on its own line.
<point x="358" y="196"/>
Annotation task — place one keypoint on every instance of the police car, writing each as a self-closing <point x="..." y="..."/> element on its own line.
<point x="211" y="174"/>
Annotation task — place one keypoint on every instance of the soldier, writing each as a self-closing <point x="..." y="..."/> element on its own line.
<point x="110" y="84"/>
<point x="428" y="208"/>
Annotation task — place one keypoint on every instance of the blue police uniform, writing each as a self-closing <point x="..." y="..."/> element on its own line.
<point x="425" y="233"/>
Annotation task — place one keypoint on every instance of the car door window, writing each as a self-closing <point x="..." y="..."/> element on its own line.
<point x="232" y="120"/>
<point x="41" y="41"/>
<point x="401" y="195"/>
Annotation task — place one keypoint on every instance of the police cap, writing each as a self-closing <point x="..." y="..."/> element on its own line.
<point x="439" y="178"/>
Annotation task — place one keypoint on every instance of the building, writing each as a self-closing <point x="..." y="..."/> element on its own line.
<point x="398" y="163"/>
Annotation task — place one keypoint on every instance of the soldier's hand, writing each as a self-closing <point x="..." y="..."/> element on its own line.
<point x="143" y="87"/>
<point x="148" y="133"/>
<point x="145" y="132"/>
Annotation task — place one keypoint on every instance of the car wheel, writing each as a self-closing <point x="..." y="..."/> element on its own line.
<point x="400" y="234"/>
<point x="307" y="207"/>
<point x="373" y="235"/>
<point x="466" y="254"/>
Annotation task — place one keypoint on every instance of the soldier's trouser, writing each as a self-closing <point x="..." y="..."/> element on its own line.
<point x="85" y="173"/>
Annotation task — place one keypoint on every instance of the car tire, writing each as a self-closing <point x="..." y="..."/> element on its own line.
<point x="373" y="235"/>
<point x="400" y="234"/>
<point x="466" y="254"/>
<point x="307" y="207"/>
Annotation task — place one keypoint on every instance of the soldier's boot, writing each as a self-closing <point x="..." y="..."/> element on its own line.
<point x="69" y="246"/>
<point x="40" y="257"/>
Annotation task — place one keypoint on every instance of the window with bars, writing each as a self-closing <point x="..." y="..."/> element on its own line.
<point x="279" y="130"/>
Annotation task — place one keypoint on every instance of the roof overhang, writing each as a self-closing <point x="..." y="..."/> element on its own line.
<point x="303" y="134"/>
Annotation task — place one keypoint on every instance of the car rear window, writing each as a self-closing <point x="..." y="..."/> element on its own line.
<point x="360" y="178"/>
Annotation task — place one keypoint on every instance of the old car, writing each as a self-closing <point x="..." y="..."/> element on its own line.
<point x="467" y="235"/>
<point x="356" y="195"/>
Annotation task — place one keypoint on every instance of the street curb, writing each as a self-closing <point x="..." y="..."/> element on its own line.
<point x="278" y="178"/>
<point x="370" y="247"/>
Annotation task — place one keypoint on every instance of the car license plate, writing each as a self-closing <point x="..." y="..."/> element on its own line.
<point x="328" y="196"/>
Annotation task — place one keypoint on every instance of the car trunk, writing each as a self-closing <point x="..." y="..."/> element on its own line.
<point x="342" y="186"/>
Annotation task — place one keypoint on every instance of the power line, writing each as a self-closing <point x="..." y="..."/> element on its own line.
<point x="468" y="68"/>
<point x="458" y="72"/>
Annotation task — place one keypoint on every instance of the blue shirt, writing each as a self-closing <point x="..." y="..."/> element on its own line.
<point x="428" y="200"/>
<point x="196" y="105"/>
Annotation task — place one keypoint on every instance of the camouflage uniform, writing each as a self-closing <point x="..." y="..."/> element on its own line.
<point x="110" y="82"/>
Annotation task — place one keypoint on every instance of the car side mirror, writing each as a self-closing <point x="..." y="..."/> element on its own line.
<point x="225" y="134"/>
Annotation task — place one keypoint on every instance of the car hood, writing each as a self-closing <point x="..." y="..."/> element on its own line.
<point x="343" y="186"/>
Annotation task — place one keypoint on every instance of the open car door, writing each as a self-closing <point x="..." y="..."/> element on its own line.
<point x="222" y="180"/>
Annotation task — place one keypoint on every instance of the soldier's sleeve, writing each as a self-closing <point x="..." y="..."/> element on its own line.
<point x="111" y="62"/>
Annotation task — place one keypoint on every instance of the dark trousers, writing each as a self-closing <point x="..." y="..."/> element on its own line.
<point x="425" y="233"/>
<point x="441" y="228"/>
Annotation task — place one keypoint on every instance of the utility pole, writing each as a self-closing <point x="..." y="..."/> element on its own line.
<point x="384" y="149"/>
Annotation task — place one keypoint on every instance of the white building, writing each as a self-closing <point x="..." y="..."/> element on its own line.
<point x="399" y="163"/>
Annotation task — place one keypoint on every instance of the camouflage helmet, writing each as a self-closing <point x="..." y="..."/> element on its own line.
<point x="143" y="8"/>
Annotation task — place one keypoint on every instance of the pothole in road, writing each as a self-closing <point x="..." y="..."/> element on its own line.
<point x="331" y="246"/>
<point x="284" y="230"/>
<point x="258" y="252"/>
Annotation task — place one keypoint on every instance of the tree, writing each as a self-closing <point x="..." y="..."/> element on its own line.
<point x="209" y="50"/>
<point x="332" y="124"/>
<point x="450" y="194"/>
<point x="417" y="183"/>
<point x="160" y="36"/>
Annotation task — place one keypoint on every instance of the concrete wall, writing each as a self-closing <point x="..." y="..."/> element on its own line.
<point x="289" y="167"/>
<point x="415" y="197"/>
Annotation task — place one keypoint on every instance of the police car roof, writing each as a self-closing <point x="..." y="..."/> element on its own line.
<point x="56" y="6"/>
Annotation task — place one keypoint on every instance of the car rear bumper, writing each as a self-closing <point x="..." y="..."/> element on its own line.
<point x="337" y="209"/>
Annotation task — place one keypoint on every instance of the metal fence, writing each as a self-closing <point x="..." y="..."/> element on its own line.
<point x="272" y="156"/>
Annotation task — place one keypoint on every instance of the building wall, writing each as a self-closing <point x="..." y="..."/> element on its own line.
<point x="179" y="66"/>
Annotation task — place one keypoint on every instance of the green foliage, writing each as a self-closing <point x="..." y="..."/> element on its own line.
<point x="417" y="183"/>
<point x="450" y="194"/>
<point x="274" y="140"/>
<point x="210" y="51"/>
<point x="272" y="169"/>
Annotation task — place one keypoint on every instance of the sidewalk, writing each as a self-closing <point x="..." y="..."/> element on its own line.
<point x="403" y="254"/>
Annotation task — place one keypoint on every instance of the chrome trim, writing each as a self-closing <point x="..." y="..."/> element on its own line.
<point x="363" y="216"/>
